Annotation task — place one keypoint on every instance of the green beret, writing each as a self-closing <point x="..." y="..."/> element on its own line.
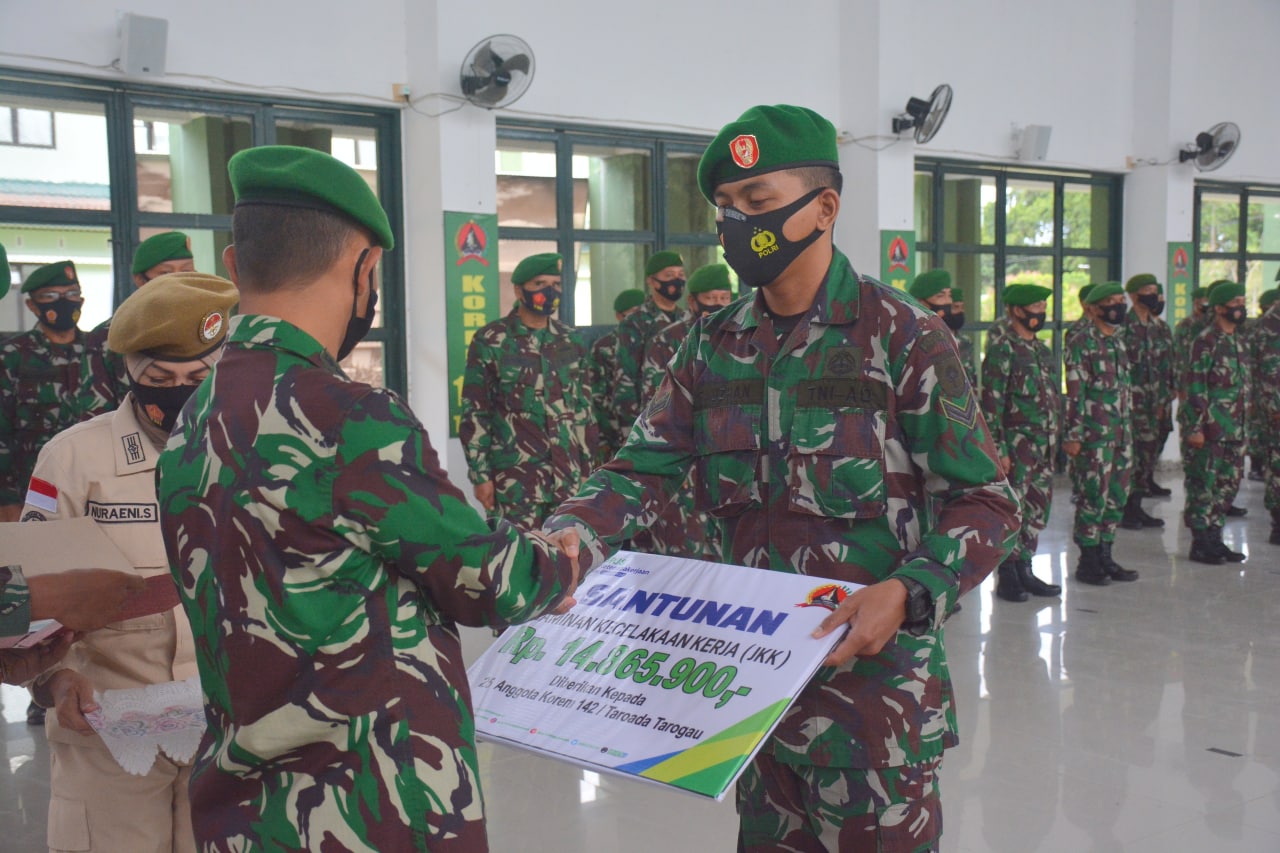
<point x="766" y="139"/>
<point x="1277" y="278"/>
<point x="1200" y="293"/>
<point x="548" y="263"/>
<point x="1026" y="294"/>
<point x="4" y="268"/>
<point x="303" y="177"/>
<point x="1085" y="291"/>
<point x="708" y="278"/>
<point x="1159" y="288"/>
<point x="661" y="261"/>
<point x="930" y="284"/>
<point x="1219" y="282"/>
<point x="49" y="275"/>
<point x="628" y="299"/>
<point x="169" y="246"/>
<point x="1139" y="281"/>
<point x="1268" y="298"/>
<point x="181" y="316"/>
<point x="1223" y="292"/>
<point x="1102" y="291"/>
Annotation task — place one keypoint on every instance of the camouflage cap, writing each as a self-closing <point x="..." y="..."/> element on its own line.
<point x="1139" y="281"/>
<point x="1103" y="291"/>
<point x="1222" y="292"/>
<point x="169" y="246"/>
<point x="181" y="316"/>
<point x="547" y="263"/>
<point x="767" y="139"/>
<point x="1025" y="294"/>
<point x="930" y="283"/>
<point x="628" y="299"/>
<point x="661" y="260"/>
<point x="708" y="278"/>
<point x="50" y="275"/>
<point x="303" y="177"/>
<point x="1085" y="291"/>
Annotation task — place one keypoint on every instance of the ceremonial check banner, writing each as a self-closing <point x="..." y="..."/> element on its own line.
<point x="667" y="670"/>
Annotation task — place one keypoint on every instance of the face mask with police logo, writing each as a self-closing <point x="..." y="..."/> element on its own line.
<point x="1153" y="302"/>
<point x="1114" y="314"/>
<point x="543" y="302"/>
<point x="755" y="246"/>
<point x="672" y="289"/>
<point x="61" y="315"/>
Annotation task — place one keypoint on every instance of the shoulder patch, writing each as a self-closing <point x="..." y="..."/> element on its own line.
<point x="43" y="495"/>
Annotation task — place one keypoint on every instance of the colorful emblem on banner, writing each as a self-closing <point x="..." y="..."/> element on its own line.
<point x="897" y="258"/>
<point x="471" y="242"/>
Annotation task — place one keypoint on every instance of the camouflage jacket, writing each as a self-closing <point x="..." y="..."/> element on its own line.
<point x="1183" y="335"/>
<point x="97" y="338"/>
<point x="526" y="407"/>
<point x="323" y="558"/>
<point x="45" y="388"/>
<point x="821" y="455"/>
<point x="1020" y="388"/>
<point x="1150" y="349"/>
<point x="1077" y="326"/>
<point x="964" y="346"/>
<point x="1217" y="383"/>
<point x="15" y="602"/>
<point x="1099" y="399"/>
<point x="1264" y="351"/>
<point x="603" y="365"/>
<point x="634" y="334"/>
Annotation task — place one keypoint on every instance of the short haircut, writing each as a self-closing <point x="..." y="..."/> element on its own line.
<point x="278" y="246"/>
<point x="820" y="177"/>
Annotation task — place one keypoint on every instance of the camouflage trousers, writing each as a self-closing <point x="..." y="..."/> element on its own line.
<point x="1031" y="475"/>
<point x="1268" y="447"/>
<point x="1212" y="478"/>
<point x="1101" y="477"/>
<point x="802" y="808"/>
<point x="1147" y="444"/>
<point x="682" y="531"/>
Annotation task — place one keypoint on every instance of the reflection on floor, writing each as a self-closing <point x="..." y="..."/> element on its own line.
<point x="1135" y="717"/>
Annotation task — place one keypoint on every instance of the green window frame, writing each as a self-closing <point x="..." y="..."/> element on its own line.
<point x="654" y="231"/>
<point x="120" y="100"/>
<point x="1007" y="249"/>
<point x="1233" y="237"/>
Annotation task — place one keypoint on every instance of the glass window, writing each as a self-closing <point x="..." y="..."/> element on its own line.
<point x="969" y="209"/>
<point x="73" y="174"/>
<point x="1263" y="234"/>
<point x="687" y="211"/>
<point x="602" y="271"/>
<point x="1212" y="269"/>
<point x="1028" y="213"/>
<point x="32" y="245"/>
<point x="973" y="282"/>
<point x="182" y="159"/>
<point x="617" y="181"/>
<point x="526" y="173"/>
<point x="924" y="207"/>
<point x="1219" y="222"/>
<point x="365" y="363"/>
<point x="1076" y="273"/>
<point x="1086" y="213"/>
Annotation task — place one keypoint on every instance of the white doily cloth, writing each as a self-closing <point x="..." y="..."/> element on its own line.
<point x="135" y="723"/>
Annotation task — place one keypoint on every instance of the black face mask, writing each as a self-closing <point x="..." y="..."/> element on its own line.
<point x="1033" y="320"/>
<point x="543" y="302"/>
<point x="1153" y="302"/>
<point x="702" y="309"/>
<point x="60" y="315"/>
<point x="1203" y="308"/>
<point x="1234" y="316"/>
<point x="671" y="290"/>
<point x="755" y="246"/>
<point x="1114" y="314"/>
<point x="358" y="327"/>
<point x="953" y="319"/>
<point x="162" y="405"/>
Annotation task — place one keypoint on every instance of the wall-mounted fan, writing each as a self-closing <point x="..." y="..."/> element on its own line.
<point x="497" y="71"/>
<point x="1212" y="147"/>
<point x="925" y="116"/>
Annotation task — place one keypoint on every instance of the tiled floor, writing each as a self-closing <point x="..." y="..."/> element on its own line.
<point x="1136" y="717"/>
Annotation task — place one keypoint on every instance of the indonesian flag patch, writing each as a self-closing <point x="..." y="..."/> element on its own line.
<point x="43" y="495"/>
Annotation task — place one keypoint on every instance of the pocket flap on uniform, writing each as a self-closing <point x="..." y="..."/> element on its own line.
<point x="68" y="824"/>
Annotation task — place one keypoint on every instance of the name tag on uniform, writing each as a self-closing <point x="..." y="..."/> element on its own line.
<point x="736" y="392"/>
<point x="561" y="353"/>
<point x="852" y="393"/>
<point x="122" y="513"/>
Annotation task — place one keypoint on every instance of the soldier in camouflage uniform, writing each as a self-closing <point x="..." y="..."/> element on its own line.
<point x="664" y="280"/>
<point x="932" y="289"/>
<point x="1150" y="345"/>
<point x="1264" y="351"/>
<point x="1085" y="320"/>
<point x="322" y="555"/>
<point x="1256" y="441"/>
<point x="823" y="417"/>
<point x="526" y="423"/>
<point x="1020" y="402"/>
<point x="681" y="530"/>
<point x="50" y="378"/>
<point x="1213" y="421"/>
<point x="1097" y="434"/>
<point x="602" y="367"/>
<point x="1186" y="330"/>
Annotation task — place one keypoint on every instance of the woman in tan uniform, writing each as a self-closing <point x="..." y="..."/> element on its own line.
<point x="170" y="333"/>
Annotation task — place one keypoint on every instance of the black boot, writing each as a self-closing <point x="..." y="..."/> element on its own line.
<point x="1203" y="550"/>
<point x="1090" y="570"/>
<point x="1275" y="527"/>
<point x="1234" y="511"/>
<point x="1221" y="547"/>
<point x="1009" y="587"/>
<point x="1155" y="490"/>
<point x="1132" y="518"/>
<point x="1033" y="584"/>
<point x="1114" y="570"/>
